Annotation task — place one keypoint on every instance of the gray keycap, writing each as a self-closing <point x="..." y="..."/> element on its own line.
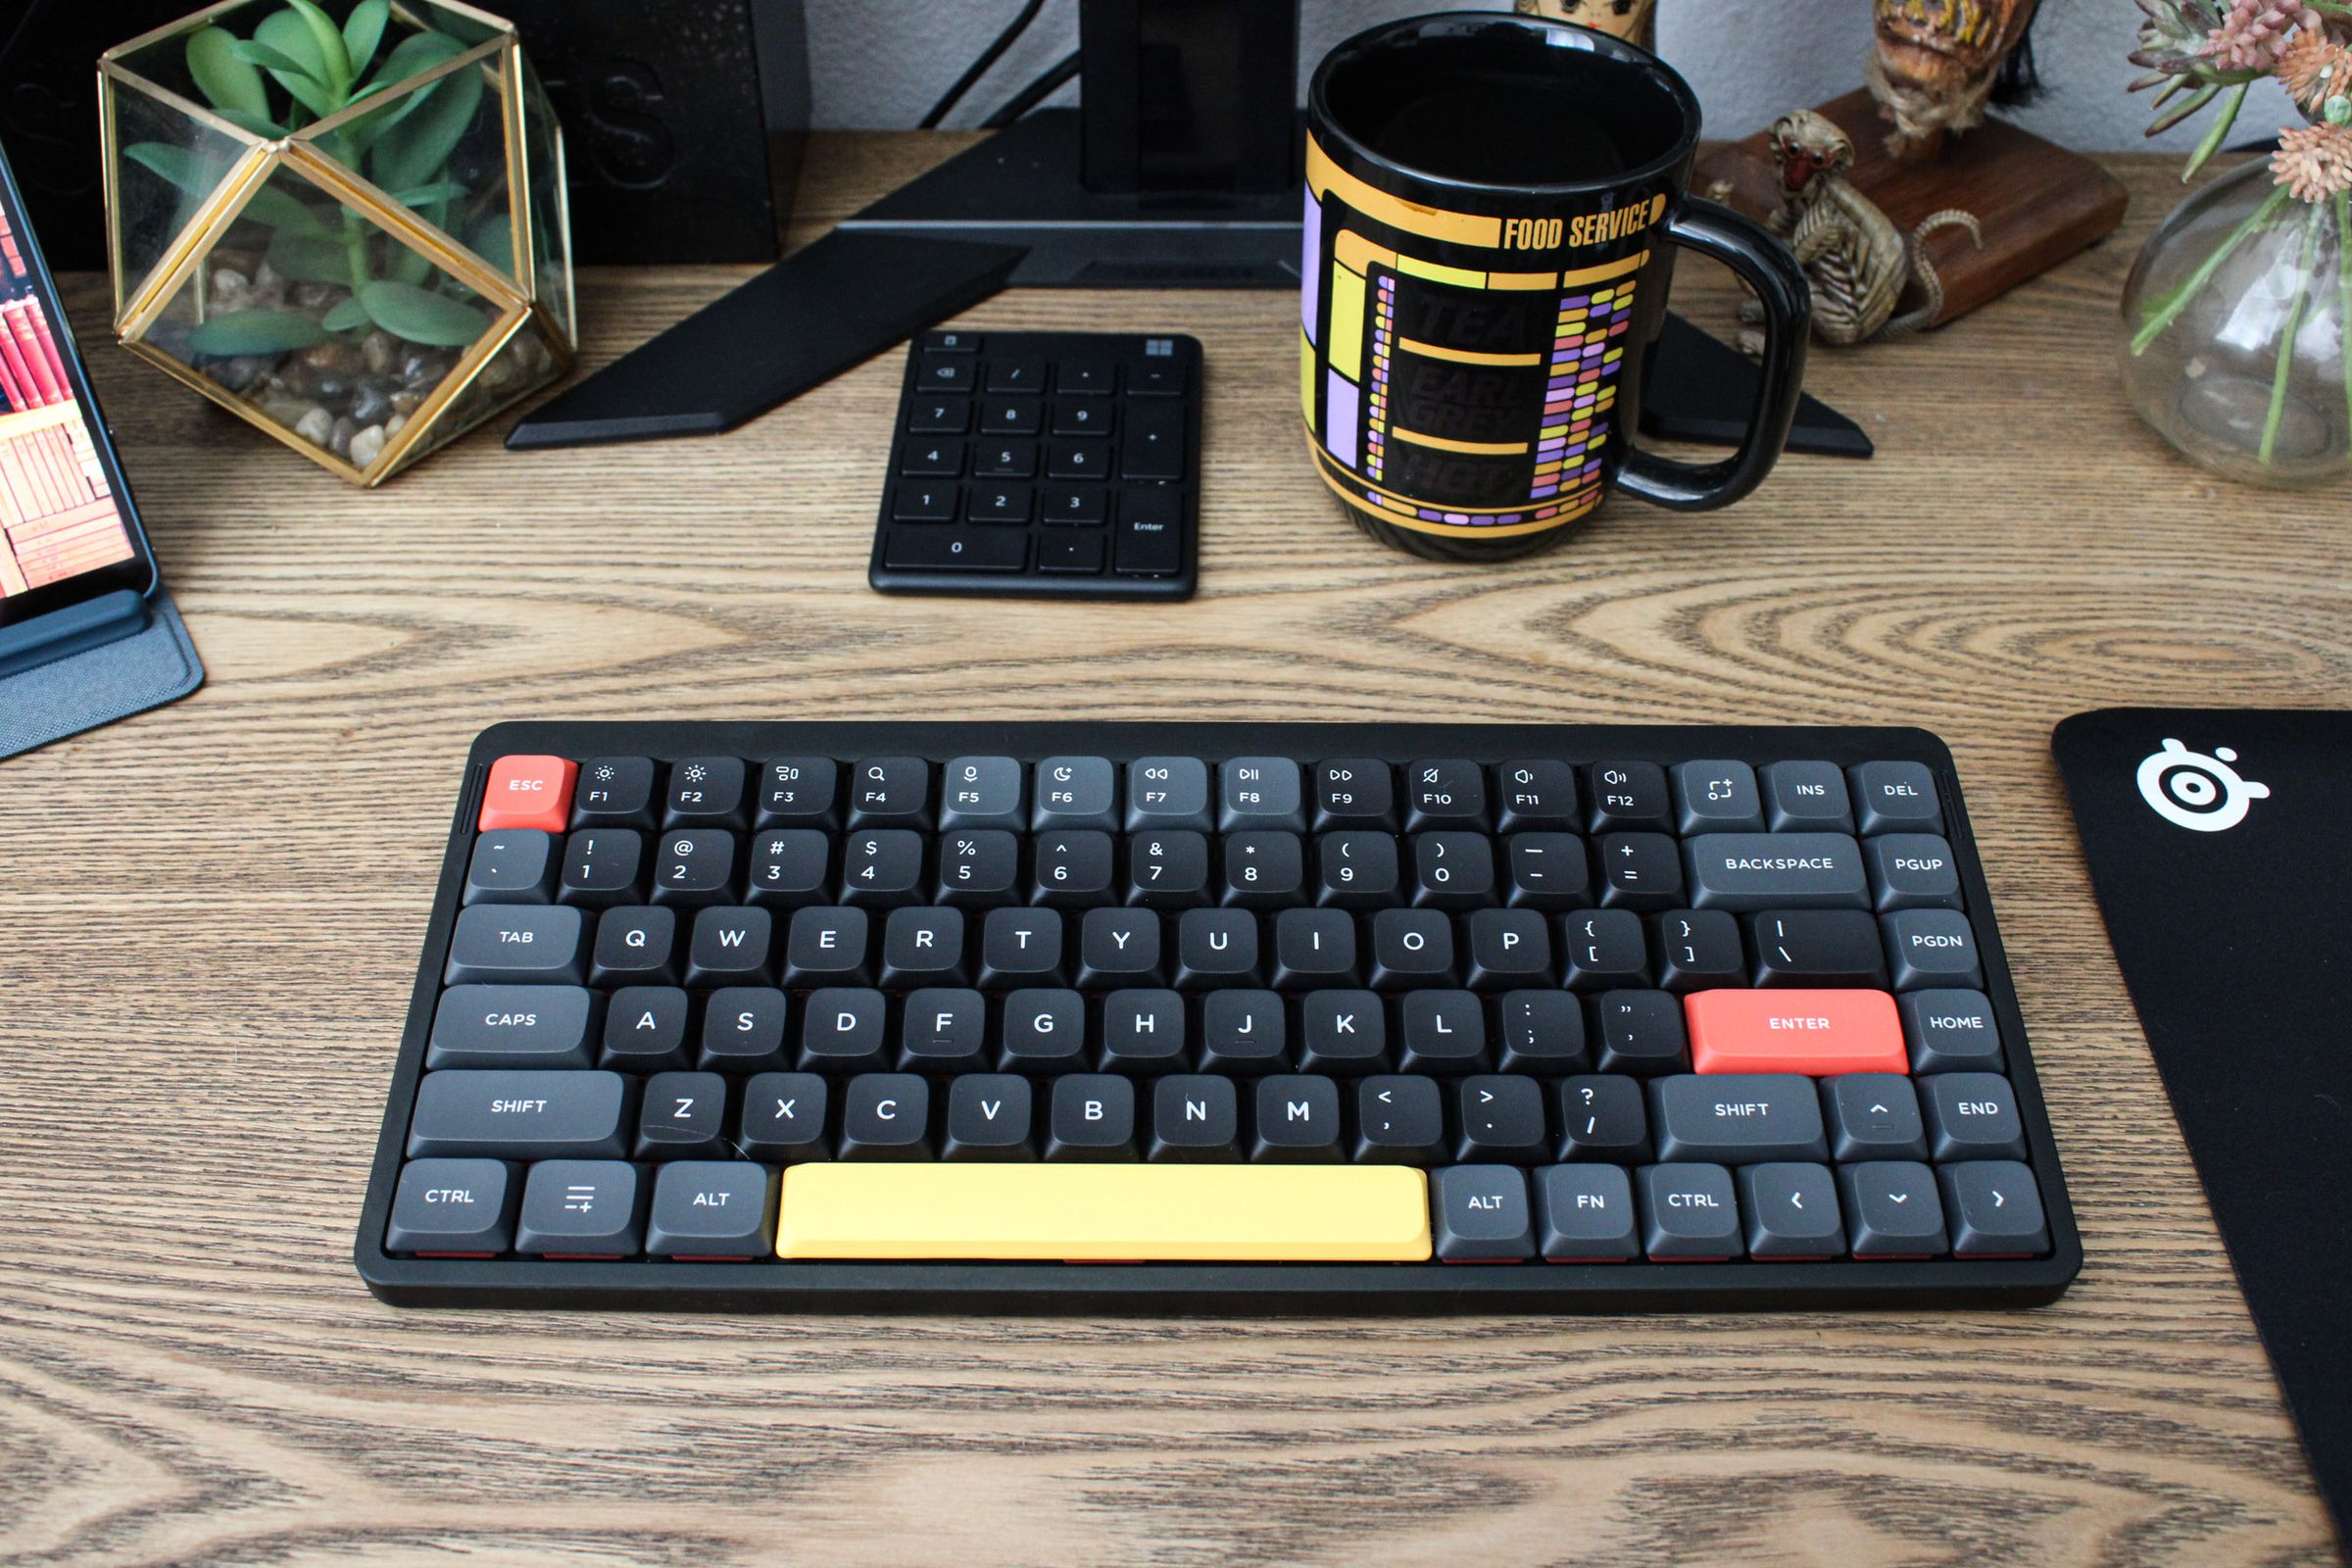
<point x="1891" y="1209"/>
<point x="1951" y="1031"/>
<point x="981" y="792"/>
<point x="529" y="1115"/>
<point x="1752" y="871"/>
<point x="1737" y="1119"/>
<point x="1931" y="947"/>
<point x="1167" y="792"/>
<point x="1586" y="1211"/>
<point x="1994" y="1209"/>
<point x="1913" y="871"/>
<point x="1973" y="1115"/>
<point x="784" y="1115"/>
<point x="1801" y="796"/>
<point x="512" y="865"/>
<point x="1897" y="798"/>
<point x="582" y="1208"/>
<point x="1873" y="1116"/>
<point x="452" y="1206"/>
<point x="1718" y="796"/>
<point x="518" y="943"/>
<point x="712" y="1208"/>
<point x="514" y="1026"/>
<point x="1791" y="1211"/>
<point x="1076" y="792"/>
<point x="1689" y="1212"/>
<point x="1480" y="1214"/>
<point x="1261" y="792"/>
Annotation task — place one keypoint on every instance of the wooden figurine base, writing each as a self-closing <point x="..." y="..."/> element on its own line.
<point x="2039" y="202"/>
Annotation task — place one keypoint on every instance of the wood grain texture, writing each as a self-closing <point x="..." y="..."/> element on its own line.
<point x="209" y="918"/>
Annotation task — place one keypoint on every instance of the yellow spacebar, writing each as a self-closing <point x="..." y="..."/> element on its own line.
<point x="1225" y="1214"/>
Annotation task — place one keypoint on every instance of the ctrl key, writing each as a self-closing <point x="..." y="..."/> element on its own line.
<point x="452" y="1208"/>
<point x="712" y="1208"/>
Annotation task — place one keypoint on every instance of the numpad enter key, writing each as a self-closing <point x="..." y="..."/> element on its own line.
<point x="1212" y="1017"/>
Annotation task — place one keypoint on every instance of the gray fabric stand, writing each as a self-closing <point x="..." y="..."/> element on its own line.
<point x="99" y="685"/>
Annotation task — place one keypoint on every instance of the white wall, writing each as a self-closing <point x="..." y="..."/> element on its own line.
<point x="881" y="63"/>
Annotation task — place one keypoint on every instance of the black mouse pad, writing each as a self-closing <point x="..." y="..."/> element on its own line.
<point x="2220" y="844"/>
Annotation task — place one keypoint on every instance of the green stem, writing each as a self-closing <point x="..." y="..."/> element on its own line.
<point x="2343" y="281"/>
<point x="2218" y="132"/>
<point x="2286" y="338"/>
<point x="355" y="249"/>
<point x="2162" y="315"/>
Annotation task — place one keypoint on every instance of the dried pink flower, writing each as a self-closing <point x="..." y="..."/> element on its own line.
<point x="2255" y="33"/>
<point x="2314" y="68"/>
<point x="2314" y="161"/>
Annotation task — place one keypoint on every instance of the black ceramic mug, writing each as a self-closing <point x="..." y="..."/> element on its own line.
<point x="1492" y="203"/>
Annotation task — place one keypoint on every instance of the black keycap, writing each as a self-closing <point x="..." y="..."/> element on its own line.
<point x="1501" y="1118"/>
<point x="1585" y="1214"/>
<point x="952" y="342"/>
<point x="957" y="550"/>
<point x="982" y="870"/>
<point x="997" y="504"/>
<point x="1604" y="947"/>
<point x="1315" y="948"/>
<point x="582" y="1208"/>
<point x="710" y="1209"/>
<point x="1873" y="1116"/>
<point x="1630" y="798"/>
<point x="843" y="1029"/>
<point x="1263" y="871"/>
<point x="1791" y="1211"/>
<point x="791" y="868"/>
<point x="1641" y="1033"/>
<point x="645" y="1029"/>
<point x="1147" y="537"/>
<point x="1196" y="1117"/>
<point x="939" y="416"/>
<point x="944" y="372"/>
<point x="1412" y="947"/>
<point x="1538" y="795"/>
<point x="1547" y="871"/>
<point x="1297" y="1119"/>
<point x="1081" y="418"/>
<point x="1817" y="947"/>
<point x="514" y="1026"/>
<point x="601" y="868"/>
<point x="1044" y="1030"/>
<point x="1078" y="460"/>
<point x="1806" y="797"/>
<point x="1698" y="950"/>
<point x="1091" y="1117"/>
<point x="729" y="946"/>
<point x="636" y="947"/>
<point x="465" y="1206"/>
<point x="1076" y="792"/>
<point x="942" y="1029"/>
<point x="1749" y="871"/>
<point x="694" y="867"/>
<point x="613" y="791"/>
<point x="1897" y="798"/>
<point x="706" y="792"/>
<point x="1951" y="1031"/>
<point x="1443" y="793"/>
<point x="1354" y="792"/>
<point x="1971" y="1115"/>
<point x="1076" y="505"/>
<point x="890" y="792"/>
<point x="1689" y="1212"/>
<point x="1716" y="797"/>
<point x="1022" y="373"/>
<point x="1356" y="871"/>
<point x="1932" y="948"/>
<point x="922" y="501"/>
<point x="1480" y="1214"/>
<point x="1508" y="947"/>
<point x="885" y="1115"/>
<point x="1154" y="446"/>
<point x="1217" y="947"/>
<point x="1011" y="416"/>
<point x="988" y="1117"/>
<point x="684" y="1115"/>
<point x="1021" y="947"/>
<point x="1167" y="869"/>
<point x="1005" y="459"/>
<point x="1994" y="1209"/>
<point x="1453" y="871"/>
<point x="517" y="943"/>
<point x="1443" y="1033"/>
<point x="1738" y="1118"/>
<point x="1602" y="1118"/>
<point x="1085" y="377"/>
<point x="1261" y="792"/>
<point x="1073" y="870"/>
<point x="1399" y="1120"/>
<point x="1242" y="1033"/>
<point x="982" y="792"/>
<point x="1157" y="376"/>
<point x="882" y="867"/>
<point x="512" y="865"/>
<point x="1912" y="871"/>
<point x="827" y="946"/>
<point x="923" y="947"/>
<point x="1119" y="947"/>
<point x="932" y="459"/>
<point x="1541" y="1032"/>
<point x="1891" y="1209"/>
<point x="1143" y="1033"/>
<point x="801" y="791"/>
<point x="745" y="1030"/>
<point x="521" y="1114"/>
<point x="784" y="1117"/>
<point x="1343" y="1033"/>
<point x="1640" y="872"/>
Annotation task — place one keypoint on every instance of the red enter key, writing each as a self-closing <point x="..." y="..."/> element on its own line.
<point x="533" y="792"/>
<point x="1818" y="1033"/>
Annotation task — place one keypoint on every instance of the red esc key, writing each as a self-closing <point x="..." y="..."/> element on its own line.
<point x="530" y="791"/>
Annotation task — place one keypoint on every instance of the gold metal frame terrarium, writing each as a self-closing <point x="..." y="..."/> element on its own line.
<point x="353" y="234"/>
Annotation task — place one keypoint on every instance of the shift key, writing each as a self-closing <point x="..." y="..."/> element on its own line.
<point x="1747" y="872"/>
<point x="510" y="1114"/>
<point x="1150" y="532"/>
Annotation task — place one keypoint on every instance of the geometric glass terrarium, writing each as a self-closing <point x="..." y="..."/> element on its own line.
<point x="348" y="228"/>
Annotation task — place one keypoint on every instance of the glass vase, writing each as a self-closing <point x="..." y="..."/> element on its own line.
<point x="2233" y="330"/>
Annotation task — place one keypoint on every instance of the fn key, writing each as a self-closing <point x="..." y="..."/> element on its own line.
<point x="957" y="550"/>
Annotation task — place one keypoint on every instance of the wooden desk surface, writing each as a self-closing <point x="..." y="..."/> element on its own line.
<point x="210" y="919"/>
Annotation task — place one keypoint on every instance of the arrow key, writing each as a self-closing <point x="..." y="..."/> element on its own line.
<point x="1891" y="1209"/>
<point x="1792" y="1210"/>
<point x="1996" y="1209"/>
<point x="1873" y="1116"/>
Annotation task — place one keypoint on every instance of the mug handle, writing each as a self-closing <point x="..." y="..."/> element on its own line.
<point x="1752" y="251"/>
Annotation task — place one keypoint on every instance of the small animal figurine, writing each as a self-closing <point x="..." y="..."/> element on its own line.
<point x="1938" y="61"/>
<point x="1635" y="21"/>
<point x="1857" y="261"/>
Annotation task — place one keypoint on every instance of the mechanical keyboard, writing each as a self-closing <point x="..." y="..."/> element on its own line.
<point x="1212" y="1017"/>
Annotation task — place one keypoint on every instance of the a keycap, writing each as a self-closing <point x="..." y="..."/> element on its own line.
<point x="1792" y="1210"/>
<point x="708" y="1208"/>
<point x="1689" y="1212"/>
<point x="462" y="1207"/>
<point x="1748" y="871"/>
<point x="521" y="1114"/>
<point x="1814" y="1032"/>
<point x="1897" y="798"/>
<point x="1738" y="1118"/>
<point x="1585" y="1214"/>
<point x="1483" y="1214"/>
<point x="1891" y="1209"/>
<point x="514" y="1026"/>
<point x="518" y="944"/>
<point x="582" y="1208"/>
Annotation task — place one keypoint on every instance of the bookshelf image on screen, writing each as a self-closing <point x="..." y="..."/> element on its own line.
<point x="58" y="516"/>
